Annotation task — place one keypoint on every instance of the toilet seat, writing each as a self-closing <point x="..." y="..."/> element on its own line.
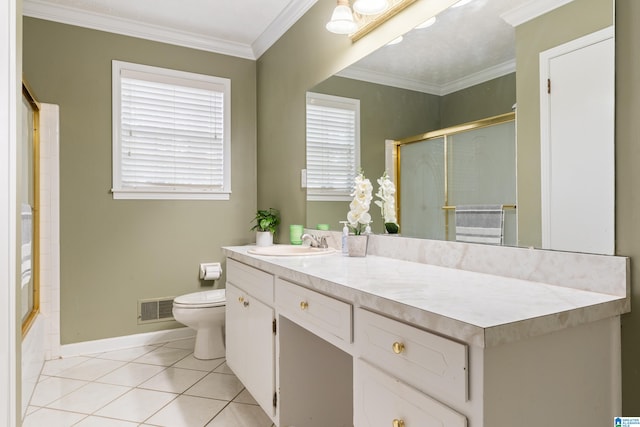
<point x="204" y="299"/>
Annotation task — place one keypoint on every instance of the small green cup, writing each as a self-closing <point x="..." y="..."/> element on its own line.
<point x="295" y="234"/>
<point x="322" y="227"/>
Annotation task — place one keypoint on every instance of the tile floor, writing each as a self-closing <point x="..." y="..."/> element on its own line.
<point x="157" y="385"/>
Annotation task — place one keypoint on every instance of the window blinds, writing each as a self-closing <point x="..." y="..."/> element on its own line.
<point x="171" y="133"/>
<point x="332" y="145"/>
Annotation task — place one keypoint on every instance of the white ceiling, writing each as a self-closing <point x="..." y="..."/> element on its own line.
<point x="244" y="28"/>
<point x="466" y="46"/>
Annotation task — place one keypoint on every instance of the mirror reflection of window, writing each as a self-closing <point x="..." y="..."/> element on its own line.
<point x="28" y="273"/>
<point x="333" y="146"/>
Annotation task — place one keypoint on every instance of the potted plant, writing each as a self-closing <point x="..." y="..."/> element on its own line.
<point x="266" y="224"/>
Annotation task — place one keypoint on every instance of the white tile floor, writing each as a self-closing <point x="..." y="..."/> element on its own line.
<point x="159" y="385"/>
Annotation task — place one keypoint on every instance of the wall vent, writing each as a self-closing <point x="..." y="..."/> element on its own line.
<point x="155" y="310"/>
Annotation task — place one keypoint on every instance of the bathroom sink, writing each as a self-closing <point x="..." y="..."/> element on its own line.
<point x="289" y="250"/>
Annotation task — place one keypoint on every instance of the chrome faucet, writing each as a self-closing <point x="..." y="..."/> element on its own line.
<point x="314" y="241"/>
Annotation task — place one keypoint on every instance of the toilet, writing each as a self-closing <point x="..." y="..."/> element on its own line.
<point x="203" y="311"/>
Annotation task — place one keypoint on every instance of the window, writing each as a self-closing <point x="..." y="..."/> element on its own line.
<point x="333" y="146"/>
<point x="171" y="134"/>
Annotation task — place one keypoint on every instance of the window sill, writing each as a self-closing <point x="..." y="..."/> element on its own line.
<point x="169" y="195"/>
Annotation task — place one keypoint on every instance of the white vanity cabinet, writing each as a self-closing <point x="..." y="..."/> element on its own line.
<point x="358" y="346"/>
<point x="250" y="337"/>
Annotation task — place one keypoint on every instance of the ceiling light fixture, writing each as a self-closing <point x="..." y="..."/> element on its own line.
<point x="429" y="22"/>
<point x="342" y="19"/>
<point x="370" y="7"/>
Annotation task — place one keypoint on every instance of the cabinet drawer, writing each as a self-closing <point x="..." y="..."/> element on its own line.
<point x="251" y="280"/>
<point x="381" y="400"/>
<point x="320" y="314"/>
<point x="428" y="362"/>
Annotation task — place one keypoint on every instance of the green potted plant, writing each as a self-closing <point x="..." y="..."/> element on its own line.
<point x="266" y="223"/>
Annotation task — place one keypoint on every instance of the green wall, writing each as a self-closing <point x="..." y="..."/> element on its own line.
<point x="627" y="195"/>
<point x="534" y="37"/>
<point x="114" y="252"/>
<point x="487" y="99"/>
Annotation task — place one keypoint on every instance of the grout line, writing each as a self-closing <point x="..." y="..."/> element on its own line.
<point x="131" y="388"/>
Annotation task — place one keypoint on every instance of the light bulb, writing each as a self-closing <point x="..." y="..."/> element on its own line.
<point x="342" y="20"/>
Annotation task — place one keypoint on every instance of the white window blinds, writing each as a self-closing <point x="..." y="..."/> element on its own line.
<point x="333" y="146"/>
<point x="171" y="134"/>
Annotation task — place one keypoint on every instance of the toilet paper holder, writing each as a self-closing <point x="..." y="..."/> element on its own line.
<point x="210" y="271"/>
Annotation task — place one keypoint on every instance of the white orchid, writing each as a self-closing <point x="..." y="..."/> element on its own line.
<point x="358" y="215"/>
<point x="387" y="203"/>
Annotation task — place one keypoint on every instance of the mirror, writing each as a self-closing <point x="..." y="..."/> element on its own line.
<point x="459" y="70"/>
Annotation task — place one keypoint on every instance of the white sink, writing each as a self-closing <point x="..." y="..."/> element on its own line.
<point x="289" y="250"/>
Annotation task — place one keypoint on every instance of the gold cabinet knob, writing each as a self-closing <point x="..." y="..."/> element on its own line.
<point x="398" y="423"/>
<point x="398" y="348"/>
<point x="304" y="305"/>
<point x="240" y="299"/>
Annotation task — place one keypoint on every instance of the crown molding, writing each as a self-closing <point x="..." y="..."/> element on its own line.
<point x="531" y="10"/>
<point x="357" y="73"/>
<point x="97" y="21"/>
<point x="363" y="74"/>
<point x="285" y="20"/>
<point x="479" y="77"/>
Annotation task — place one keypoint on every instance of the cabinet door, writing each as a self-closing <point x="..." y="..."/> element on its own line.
<point x="236" y="325"/>
<point x="251" y="345"/>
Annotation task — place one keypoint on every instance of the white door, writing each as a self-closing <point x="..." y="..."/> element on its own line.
<point x="577" y="144"/>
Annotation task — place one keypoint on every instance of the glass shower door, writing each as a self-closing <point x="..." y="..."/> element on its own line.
<point x="481" y="168"/>
<point x="422" y="183"/>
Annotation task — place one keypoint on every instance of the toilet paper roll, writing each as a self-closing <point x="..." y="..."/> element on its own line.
<point x="210" y="271"/>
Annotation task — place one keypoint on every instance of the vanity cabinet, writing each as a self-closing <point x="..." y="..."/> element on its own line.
<point x="347" y="351"/>
<point x="250" y="337"/>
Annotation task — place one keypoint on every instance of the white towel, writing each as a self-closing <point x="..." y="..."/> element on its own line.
<point x="480" y="224"/>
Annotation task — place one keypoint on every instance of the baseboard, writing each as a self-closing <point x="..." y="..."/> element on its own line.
<point x="127" y="341"/>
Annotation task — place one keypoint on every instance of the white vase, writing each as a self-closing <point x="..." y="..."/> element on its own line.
<point x="357" y="245"/>
<point x="264" y="238"/>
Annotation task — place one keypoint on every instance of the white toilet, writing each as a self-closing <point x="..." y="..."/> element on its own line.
<point x="204" y="311"/>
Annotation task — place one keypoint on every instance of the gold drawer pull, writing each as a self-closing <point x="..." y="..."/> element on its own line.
<point x="398" y="348"/>
<point x="304" y="305"/>
<point x="398" y="423"/>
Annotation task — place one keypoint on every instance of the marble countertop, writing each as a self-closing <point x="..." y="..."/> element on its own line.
<point x="481" y="309"/>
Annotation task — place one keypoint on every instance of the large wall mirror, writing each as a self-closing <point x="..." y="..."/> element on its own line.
<point x="29" y="208"/>
<point x="475" y="62"/>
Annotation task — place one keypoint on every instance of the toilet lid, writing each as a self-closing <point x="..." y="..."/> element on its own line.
<point x="212" y="298"/>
